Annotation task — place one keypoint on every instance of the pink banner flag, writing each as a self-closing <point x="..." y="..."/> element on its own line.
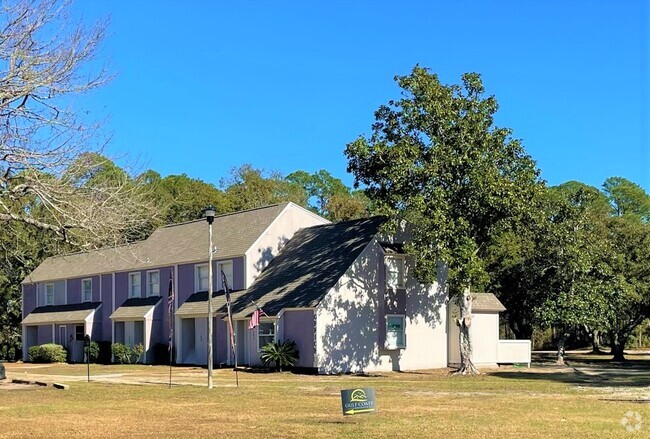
<point x="255" y="319"/>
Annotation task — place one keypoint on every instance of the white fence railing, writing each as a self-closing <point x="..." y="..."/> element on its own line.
<point x="513" y="351"/>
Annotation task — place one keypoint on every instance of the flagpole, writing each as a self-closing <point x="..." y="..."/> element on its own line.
<point x="233" y="344"/>
<point x="171" y="350"/>
<point x="209" y="215"/>
<point x="170" y="308"/>
<point x="260" y="309"/>
<point x="231" y="329"/>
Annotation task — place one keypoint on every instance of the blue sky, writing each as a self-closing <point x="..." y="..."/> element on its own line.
<point x="202" y="87"/>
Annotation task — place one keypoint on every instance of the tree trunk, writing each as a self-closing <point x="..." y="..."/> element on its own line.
<point x="560" y="348"/>
<point x="464" y="323"/>
<point x="594" y="334"/>
<point x="618" y="346"/>
<point x="595" y="345"/>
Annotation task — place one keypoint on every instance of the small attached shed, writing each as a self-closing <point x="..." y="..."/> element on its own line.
<point x="485" y="330"/>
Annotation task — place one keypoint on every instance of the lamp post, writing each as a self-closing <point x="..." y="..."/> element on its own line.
<point x="209" y="216"/>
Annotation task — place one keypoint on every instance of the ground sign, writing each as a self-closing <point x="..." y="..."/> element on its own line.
<point x="358" y="401"/>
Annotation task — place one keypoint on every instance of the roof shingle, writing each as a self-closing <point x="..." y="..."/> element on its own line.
<point x="74" y="313"/>
<point x="308" y="266"/>
<point x="197" y="303"/>
<point x="135" y="308"/>
<point x="486" y="302"/>
<point x="234" y="234"/>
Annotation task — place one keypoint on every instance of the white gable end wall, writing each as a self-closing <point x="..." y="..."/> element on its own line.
<point x="350" y="322"/>
<point x="281" y="230"/>
<point x="346" y="320"/>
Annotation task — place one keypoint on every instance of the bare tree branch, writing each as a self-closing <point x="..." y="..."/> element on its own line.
<point x="46" y="148"/>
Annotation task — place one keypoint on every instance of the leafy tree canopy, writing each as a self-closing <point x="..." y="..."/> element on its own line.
<point x="436" y="159"/>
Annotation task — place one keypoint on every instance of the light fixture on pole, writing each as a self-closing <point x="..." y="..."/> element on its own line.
<point x="209" y="216"/>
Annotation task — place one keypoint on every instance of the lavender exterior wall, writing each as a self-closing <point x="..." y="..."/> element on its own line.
<point x="221" y="340"/>
<point x="97" y="333"/>
<point x="185" y="287"/>
<point x="44" y="334"/>
<point x="95" y="291"/>
<point x="29" y="299"/>
<point x="74" y="290"/>
<point x="160" y="328"/>
<point x="60" y="293"/>
<point x="121" y="288"/>
<point x="161" y="332"/>
<point x="299" y="327"/>
<point x="107" y="306"/>
<point x="238" y="280"/>
<point x="143" y="283"/>
<point x="186" y="277"/>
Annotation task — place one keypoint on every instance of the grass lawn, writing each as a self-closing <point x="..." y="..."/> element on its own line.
<point x="522" y="403"/>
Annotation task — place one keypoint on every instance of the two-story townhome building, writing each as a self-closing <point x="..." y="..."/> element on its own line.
<point x="344" y="292"/>
<point x="116" y="294"/>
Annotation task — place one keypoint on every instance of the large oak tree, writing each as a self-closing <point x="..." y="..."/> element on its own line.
<point x="437" y="159"/>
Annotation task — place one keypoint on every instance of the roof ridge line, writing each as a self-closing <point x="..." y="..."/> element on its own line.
<point x="223" y="215"/>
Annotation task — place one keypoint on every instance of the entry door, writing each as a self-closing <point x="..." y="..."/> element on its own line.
<point x="63" y="336"/>
<point x="241" y="333"/>
<point x="201" y="337"/>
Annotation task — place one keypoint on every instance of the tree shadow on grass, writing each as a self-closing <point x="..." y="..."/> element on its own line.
<point x="596" y="373"/>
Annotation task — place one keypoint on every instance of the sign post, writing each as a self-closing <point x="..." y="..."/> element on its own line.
<point x="87" y="352"/>
<point x="358" y="401"/>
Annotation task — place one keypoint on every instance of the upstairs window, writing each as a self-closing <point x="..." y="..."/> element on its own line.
<point x="153" y="283"/>
<point x="394" y="271"/>
<point x="226" y="267"/>
<point x="87" y="290"/>
<point x="202" y="277"/>
<point x="265" y="334"/>
<point x="395" y="338"/>
<point x="49" y="294"/>
<point x="134" y="285"/>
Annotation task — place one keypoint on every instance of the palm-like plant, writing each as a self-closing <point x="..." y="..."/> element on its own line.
<point x="284" y="353"/>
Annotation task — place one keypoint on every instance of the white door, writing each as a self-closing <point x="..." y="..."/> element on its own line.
<point x="63" y="336"/>
<point x="241" y="338"/>
<point x="201" y="337"/>
<point x="129" y="333"/>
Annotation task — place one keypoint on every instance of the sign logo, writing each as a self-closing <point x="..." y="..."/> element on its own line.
<point x="358" y="401"/>
<point x="632" y="421"/>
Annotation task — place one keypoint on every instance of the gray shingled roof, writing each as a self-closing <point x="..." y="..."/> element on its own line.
<point x="234" y="234"/>
<point x="308" y="266"/>
<point x="197" y="303"/>
<point x="74" y="313"/>
<point x="135" y="308"/>
<point x="486" y="302"/>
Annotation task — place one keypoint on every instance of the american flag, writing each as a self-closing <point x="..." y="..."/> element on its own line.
<point x="255" y="319"/>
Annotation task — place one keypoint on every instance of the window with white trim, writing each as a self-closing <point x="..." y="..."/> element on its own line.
<point x="79" y="333"/>
<point x="153" y="283"/>
<point x="134" y="285"/>
<point x="394" y="271"/>
<point x="87" y="290"/>
<point x="49" y="294"/>
<point x="201" y="277"/>
<point x="265" y="334"/>
<point x="395" y="337"/>
<point x="227" y="270"/>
